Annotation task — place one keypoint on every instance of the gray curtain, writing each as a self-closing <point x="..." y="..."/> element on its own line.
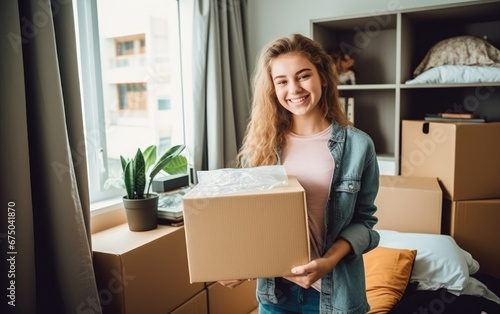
<point x="222" y="94"/>
<point x="43" y="165"/>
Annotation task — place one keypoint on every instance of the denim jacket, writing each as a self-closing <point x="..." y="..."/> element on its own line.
<point x="348" y="215"/>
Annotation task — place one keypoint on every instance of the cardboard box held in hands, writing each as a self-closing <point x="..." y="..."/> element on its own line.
<point x="246" y="235"/>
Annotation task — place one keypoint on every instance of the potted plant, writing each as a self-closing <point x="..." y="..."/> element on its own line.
<point x="141" y="206"/>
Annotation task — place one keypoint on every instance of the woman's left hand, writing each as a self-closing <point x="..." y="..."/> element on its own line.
<point x="308" y="274"/>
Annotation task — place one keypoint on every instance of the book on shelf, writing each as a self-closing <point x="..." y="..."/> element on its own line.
<point x="458" y="115"/>
<point x="350" y="109"/>
<point x="347" y="106"/>
<point x="439" y="118"/>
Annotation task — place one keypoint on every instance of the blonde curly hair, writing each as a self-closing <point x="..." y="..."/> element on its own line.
<point x="269" y="121"/>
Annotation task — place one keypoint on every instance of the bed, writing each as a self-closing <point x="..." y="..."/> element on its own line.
<point x="418" y="270"/>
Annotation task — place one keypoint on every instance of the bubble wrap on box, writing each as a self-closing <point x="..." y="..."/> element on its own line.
<point x="229" y="180"/>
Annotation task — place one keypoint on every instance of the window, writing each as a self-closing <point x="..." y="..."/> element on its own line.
<point x="132" y="96"/>
<point x="129" y="54"/>
<point x="129" y="45"/>
<point x="163" y="104"/>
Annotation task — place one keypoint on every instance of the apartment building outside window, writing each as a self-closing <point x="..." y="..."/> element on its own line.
<point x="129" y="55"/>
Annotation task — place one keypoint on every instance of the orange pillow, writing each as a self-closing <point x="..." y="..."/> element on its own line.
<point x="387" y="272"/>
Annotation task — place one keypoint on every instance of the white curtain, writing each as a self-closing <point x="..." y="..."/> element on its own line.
<point x="221" y="93"/>
<point x="43" y="164"/>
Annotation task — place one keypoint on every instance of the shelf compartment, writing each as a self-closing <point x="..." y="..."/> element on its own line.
<point x="483" y="100"/>
<point x="366" y="39"/>
<point x="421" y="30"/>
<point x="374" y="113"/>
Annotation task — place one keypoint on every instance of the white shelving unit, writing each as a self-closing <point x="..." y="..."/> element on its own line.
<point x="387" y="48"/>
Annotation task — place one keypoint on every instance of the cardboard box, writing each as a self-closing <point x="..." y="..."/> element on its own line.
<point x="474" y="226"/>
<point x="246" y="235"/>
<point x="142" y="272"/>
<point x="239" y="300"/>
<point x="196" y="305"/>
<point x="463" y="156"/>
<point x="409" y="204"/>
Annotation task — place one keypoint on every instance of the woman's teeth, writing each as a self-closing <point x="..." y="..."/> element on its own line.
<point x="297" y="100"/>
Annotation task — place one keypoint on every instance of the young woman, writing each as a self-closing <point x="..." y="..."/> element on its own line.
<point x="297" y="121"/>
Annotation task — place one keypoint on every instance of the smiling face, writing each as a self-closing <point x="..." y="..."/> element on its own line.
<point x="297" y="84"/>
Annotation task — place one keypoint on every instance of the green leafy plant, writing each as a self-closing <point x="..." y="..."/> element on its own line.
<point x="144" y="165"/>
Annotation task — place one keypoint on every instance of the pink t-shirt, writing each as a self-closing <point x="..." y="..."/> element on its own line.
<point x="309" y="159"/>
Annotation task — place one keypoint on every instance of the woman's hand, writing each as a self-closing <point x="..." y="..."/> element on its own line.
<point x="232" y="283"/>
<point x="308" y="274"/>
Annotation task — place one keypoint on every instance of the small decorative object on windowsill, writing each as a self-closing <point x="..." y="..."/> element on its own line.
<point x="141" y="207"/>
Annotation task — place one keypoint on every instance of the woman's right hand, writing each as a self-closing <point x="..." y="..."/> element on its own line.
<point x="231" y="283"/>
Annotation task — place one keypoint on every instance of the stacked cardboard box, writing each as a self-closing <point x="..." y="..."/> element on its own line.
<point x="217" y="299"/>
<point x="240" y="300"/>
<point x="147" y="272"/>
<point x="142" y="272"/>
<point x="466" y="160"/>
<point x="419" y="200"/>
<point x="196" y="305"/>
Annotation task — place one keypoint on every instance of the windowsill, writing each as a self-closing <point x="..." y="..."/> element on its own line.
<point x="106" y="214"/>
<point x="111" y="213"/>
<point x="106" y="205"/>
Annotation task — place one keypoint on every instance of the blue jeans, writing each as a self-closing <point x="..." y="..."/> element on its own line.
<point x="292" y="299"/>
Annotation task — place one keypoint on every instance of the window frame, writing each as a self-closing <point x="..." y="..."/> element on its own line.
<point x="106" y="206"/>
<point x="92" y="92"/>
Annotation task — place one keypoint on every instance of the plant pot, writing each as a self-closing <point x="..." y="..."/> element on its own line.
<point x="142" y="214"/>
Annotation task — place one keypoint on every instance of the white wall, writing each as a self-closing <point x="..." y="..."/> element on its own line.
<point x="268" y="19"/>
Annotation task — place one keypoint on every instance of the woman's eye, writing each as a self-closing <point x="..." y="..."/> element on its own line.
<point x="303" y="77"/>
<point x="281" y="83"/>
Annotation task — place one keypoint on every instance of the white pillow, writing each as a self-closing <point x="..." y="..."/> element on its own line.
<point x="458" y="74"/>
<point x="440" y="262"/>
